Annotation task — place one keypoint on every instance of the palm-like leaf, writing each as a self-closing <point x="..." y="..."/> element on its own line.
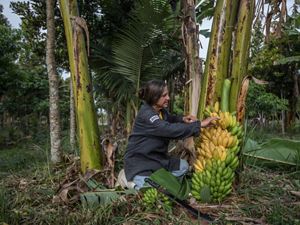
<point x="142" y="50"/>
<point x="136" y="48"/>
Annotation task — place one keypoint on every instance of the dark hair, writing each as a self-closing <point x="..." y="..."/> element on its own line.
<point x="152" y="91"/>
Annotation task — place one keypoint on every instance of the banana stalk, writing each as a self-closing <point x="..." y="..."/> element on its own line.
<point x="217" y="60"/>
<point x="241" y="50"/>
<point x="192" y="65"/>
<point x="87" y="126"/>
<point x="190" y="32"/>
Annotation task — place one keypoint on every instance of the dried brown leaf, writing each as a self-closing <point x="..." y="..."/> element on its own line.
<point x="241" y="103"/>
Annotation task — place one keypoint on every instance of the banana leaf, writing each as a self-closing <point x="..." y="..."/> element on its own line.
<point x="278" y="151"/>
<point x="179" y="189"/>
<point x="103" y="197"/>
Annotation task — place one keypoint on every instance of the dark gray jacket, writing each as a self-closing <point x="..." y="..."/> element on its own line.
<point x="147" y="149"/>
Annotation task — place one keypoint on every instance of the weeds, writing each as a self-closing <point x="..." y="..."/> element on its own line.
<point x="29" y="182"/>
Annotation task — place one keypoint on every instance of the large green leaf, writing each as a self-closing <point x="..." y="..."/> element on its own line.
<point x="275" y="150"/>
<point x="103" y="197"/>
<point x="135" y="46"/>
<point x="168" y="181"/>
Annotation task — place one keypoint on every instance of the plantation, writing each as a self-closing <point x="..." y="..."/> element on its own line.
<point x="110" y="113"/>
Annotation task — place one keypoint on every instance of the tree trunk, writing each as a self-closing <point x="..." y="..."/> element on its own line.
<point x="128" y="118"/>
<point x="87" y="126"/>
<point x="217" y="60"/>
<point x="72" y="119"/>
<point x="190" y="32"/>
<point x="54" y="117"/>
<point x="240" y="53"/>
<point x="293" y="101"/>
<point x="192" y="60"/>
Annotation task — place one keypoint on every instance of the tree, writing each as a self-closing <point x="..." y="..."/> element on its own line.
<point x="142" y="50"/>
<point x="217" y="60"/>
<point x="21" y="86"/>
<point x="278" y="61"/>
<point x="87" y="126"/>
<point x="227" y="57"/>
<point x="54" y="117"/>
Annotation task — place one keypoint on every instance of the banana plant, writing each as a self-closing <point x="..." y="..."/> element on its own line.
<point x="227" y="56"/>
<point x="87" y="126"/>
<point x="218" y="54"/>
<point x="240" y="52"/>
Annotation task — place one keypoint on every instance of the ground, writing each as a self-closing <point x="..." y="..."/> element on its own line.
<point x="29" y="184"/>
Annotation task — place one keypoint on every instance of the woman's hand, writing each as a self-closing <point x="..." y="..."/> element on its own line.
<point x="209" y="121"/>
<point x="189" y="119"/>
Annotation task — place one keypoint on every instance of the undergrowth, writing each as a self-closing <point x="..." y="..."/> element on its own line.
<point x="28" y="183"/>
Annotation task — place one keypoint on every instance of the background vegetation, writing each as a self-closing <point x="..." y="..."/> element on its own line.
<point x="132" y="42"/>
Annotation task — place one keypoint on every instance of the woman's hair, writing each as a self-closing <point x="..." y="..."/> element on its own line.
<point x="152" y="91"/>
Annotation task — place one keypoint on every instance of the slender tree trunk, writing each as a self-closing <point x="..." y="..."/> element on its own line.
<point x="72" y="119"/>
<point x="282" y="19"/>
<point x="87" y="126"/>
<point x="128" y="118"/>
<point x="172" y="94"/>
<point x="54" y="117"/>
<point x="295" y="98"/>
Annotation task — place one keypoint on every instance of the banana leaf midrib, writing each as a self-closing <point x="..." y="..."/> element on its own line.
<point x="269" y="159"/>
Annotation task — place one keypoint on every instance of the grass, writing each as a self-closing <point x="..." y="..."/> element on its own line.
<point x="28" y="183"/>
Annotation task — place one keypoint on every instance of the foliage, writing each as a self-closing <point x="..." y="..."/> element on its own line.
<point x="27" y="193"/>
<point x="141" y="50"/>
<point x="33" y="25"/>
<point x="3" y="19"/>
<point x="136" y="49"/>
<point x="23" y="87"/>
<point x="261" y="102"/>
<point x="274" y="152"/>
<point x="276" y="62"/>
<point x="257" y="38"/>
<point x="178" y="105"/>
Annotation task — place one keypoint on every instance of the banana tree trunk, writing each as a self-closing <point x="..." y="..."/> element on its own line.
<point x="218" y="54"/>
<point x="72" y="119"/>
<point x="190" y="32"/>
<point x="241" y="51"/>
<point x="87" y="126"/>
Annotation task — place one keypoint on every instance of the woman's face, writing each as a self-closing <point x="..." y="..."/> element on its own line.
<point x="163" y="101"/>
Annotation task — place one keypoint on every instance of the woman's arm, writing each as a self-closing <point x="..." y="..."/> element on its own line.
<point x="151" y="124"/>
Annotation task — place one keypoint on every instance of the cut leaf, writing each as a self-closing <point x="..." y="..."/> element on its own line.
<point x="275" y="150"/>
<point x="168" y="181"/>
<point x="92" y="199"/>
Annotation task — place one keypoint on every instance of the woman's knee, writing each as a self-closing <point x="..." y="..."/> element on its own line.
<point x="183" y="168"/>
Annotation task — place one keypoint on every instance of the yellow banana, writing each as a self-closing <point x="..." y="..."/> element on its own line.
<point x="198" y="168"/>
<point x="217" y="106"/>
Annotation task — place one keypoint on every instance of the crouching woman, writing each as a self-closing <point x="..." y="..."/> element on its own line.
<point x="154" y="127"/>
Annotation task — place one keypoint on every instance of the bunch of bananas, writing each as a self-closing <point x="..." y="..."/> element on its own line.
<point x="217" y="155"/>
<point x="217" y="176"/>
<point x="154" y="199"/>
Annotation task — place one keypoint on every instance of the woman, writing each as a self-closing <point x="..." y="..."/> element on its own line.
<point x="147" y="149"/>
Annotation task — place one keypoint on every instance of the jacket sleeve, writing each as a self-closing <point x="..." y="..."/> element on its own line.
<point x="154" y="126"/>
<point x="173" y="118"/>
